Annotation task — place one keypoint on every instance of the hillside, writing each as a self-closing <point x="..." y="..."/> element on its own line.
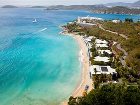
<point x="102" y="8"/>
<point x="132" y="5"/>
<point x="118" y="10"/>
<point x="9" y="6"/>
<point x="136" y="4"/>
<point x="38" y="7"/>
<point x="118" y="4"/>
<point x="77" y="7"/>
<point x="126" y="91"/>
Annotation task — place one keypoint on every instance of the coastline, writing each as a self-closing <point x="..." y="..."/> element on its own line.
<point x="84" y="59"/>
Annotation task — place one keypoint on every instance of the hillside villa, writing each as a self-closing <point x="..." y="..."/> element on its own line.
<point x="96" y="69"/>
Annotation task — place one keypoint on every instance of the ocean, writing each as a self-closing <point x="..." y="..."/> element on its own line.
<point x="38" y="66"/>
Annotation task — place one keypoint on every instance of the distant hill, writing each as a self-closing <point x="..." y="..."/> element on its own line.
<point x="117" y="10"/>
<point x="9" y="6"/>
<point x="38" y="7"/>
<point x="98" y="8"/>
<point x="118" y="4"/>
<point x="77" y="7"/>
<point x="132" y="5"/>
<point x="136" y="4"/>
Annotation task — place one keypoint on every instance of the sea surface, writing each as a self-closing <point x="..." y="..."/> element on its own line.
<point x="38" y="66"/>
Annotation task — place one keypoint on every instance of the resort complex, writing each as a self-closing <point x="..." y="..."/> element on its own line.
<point x="87" y="21"/>
<point x="103" y="55"/>
<point x="106" y="56"/>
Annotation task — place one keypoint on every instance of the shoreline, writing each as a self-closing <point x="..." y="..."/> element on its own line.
<point x="85" y="66"/>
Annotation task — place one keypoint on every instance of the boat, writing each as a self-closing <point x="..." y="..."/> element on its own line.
<point x="34" y="21"/>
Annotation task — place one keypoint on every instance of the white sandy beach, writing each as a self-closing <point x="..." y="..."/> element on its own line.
<point x="85" y="78"/>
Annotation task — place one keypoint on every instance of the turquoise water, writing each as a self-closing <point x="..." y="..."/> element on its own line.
<point x="37" y="65"/>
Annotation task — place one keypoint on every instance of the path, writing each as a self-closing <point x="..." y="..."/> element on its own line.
<point x="122" y="59"/>
<point x="122" y="35"/>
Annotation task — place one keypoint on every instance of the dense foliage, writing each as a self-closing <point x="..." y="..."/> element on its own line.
<point x="128" y="27"/>
<point x="111" y="94"/>
<point x="132" y="30"/>
<point x="127" y="90"/>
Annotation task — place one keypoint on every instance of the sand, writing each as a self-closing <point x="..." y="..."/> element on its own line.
<point x="85" y="78"/>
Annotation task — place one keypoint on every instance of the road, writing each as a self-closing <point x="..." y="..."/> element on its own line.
<point x="122" y="59"/>
<point x="122" y="35"/>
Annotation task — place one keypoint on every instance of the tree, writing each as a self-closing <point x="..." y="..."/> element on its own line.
<point x="132" y="96"/>
<point x="112" y="94"/>
<point x="128" y="20"/>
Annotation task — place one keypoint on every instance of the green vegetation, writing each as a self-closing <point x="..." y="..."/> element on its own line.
<point x="111" y="94"/>
<point x="99" y="33"/>
<point x="127" y="90"/>
<point x="73" y="27"/>
<point x="128" y="20"/>
<point x="128" y="28"/>
<point x="118" y="10"/>
<point x="132" y="30"/>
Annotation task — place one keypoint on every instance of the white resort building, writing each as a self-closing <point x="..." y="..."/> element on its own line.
<point x="96" y="69"/>
<point x="87" y="21"/>
<point x="102" y="59"/>
<point x="88" y="40"/>
<point x="80" y="19"/>
<point x="116" y="21"/>
<point x="101" y="43"/>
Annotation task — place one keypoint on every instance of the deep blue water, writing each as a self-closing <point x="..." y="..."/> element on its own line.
<point x="37" y="65"/>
